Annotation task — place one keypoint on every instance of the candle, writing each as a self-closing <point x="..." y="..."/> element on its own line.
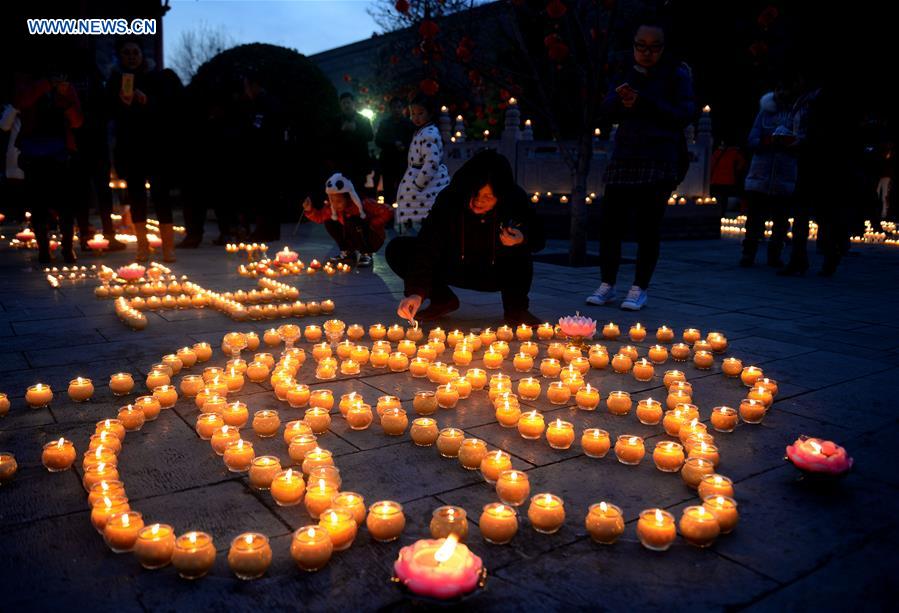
<point x="705" y="451"/>
<point x="658" y="354"/>
<point x="524" y="332"/>
<point x="673" y="421"/>
<point x="238" y="456"/>
<point x="166" y="395"/>
<point x="694" y="470"/>
<point x="319" y="496"/>
<point x="132" y="418"/>
<point x="447" y="520"/>
<point x="703" y="360"/>
<point x="250" y="555"/>
<point x="550" y="368"/>
<point x="340" y="525"/>
<point x="504" y="333"/>
<point x="680" y="352"/>
<point x="691" y="335"/>
<point x="493" y="464"/>
<point x="113" y="426"/>
<point x="769" y="384"/>
<point x="394" y="421"/>
<point x="121" y="384"/>
<point x="207" y="423"/>
<point x="266" y="423"/>
<point x="122" y="530"/>
<point x="673" y="376"/>
<point x="689" y="428"/>
<point x="677" y="397"/>
<point x="80" y="389"/>
<point x="649" y="411"/>
<point x="317" y="457"/>
<point x="750" y="374"/>
<point x="311" y="548"/>
<point x="529" y="388"/>
<point x="359" y="416"/>
<point x="94" y="457"/>
<point x="424" y="402"/>
<point x="408" y="347"/>
<point x="318" y="419"/>
<point x="105" y="508"/>
<point x="610" y="331"/>
<point x="104" y="489"/>
<point x="545" y="331"/>
<point x="619" y="403"/>
<point x="508" y="413"/>
<point x="656" y="529"/>
<point x="622" y="363"/>
<point x="105" y="440"/>
<point x="58" y="455"/>
<point x="449" y="441"/>
<point x="604" y="523"/>
<point x="752" y="411"/>
<point x="498" y="523"/>
<point x="560" y="434"/>
<point x="301" y="443"/>
<point x="629" y="449"/>
<point x="154" y="546"/>
<point x="287" y="488"/>
<point x="523" y="362"/>
<point x="668" y="456"/>
<point x="385" y="521"/>
<point x="587" y="398"/>
<point x="724" y="509"/>
<point x="157" y="378"/>
<point x="395" y="333"/>
<point x="530" y="348"/>
<point x="263" y="470"/>
<point x="203" y="351"/>
<point x="424" y="431"/>
<point x="191" y="385"/>
<point x="193" y="555"/>
<point x="398" y="361"/>
<point x="493" y="359"/>
<point x="471" y="452"/>
<point x="698" y="526"/>
<point x="715" y="485"/>
<point x="546" y="513"/>
<point x="761" y="393"/>
<point x="38" y="396"/>
<point x="222" y="437"/>
<point x="732" y="367"/>
<point x="637" y="333"/>
<point x="643" y="370"/>
<point x="595" y="442"/>
<point x="297" y="395"/>
<point x="558" y="392"/>
<point x="477" y="377"/>
<point x="724" y="419"/>
<point x="439" y="569"/>
<point x="531" y="425"/>
<point x="447" y="396"/>
<point x="8" y="467"/>
<point x="149" y="405"/>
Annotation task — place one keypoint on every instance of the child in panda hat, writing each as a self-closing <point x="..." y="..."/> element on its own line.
<point x="356" y="225"/>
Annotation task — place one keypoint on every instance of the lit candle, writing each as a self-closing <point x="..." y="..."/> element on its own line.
<point x="658" y="354"/>
<point x="560" y="434"/>
<point x="235" y="414"/>
<point x="266" y="423"/>
<point x="447" y="520"/>
<point x="166" y="394"/>
<point x="194" y="555"/>
<point x="724" y="508"/>
<point x="8" y="467"/>
<point x="105" y="439"/>
<point x="505" y="333"/>
<point x="529" y="388"/>
<point x="297" y="395"/>
<point x="643" y="370"/>
<point x="385" y="521"/>
<point x="263" y="470"/>
<point x="656" y="529"/>
<point x="493" y="359"/>
<point x="394" y="421"/>
<point x="424" y="431"/>
<point x="545" y="331"/>
<point x="287" y="488"/>
<point x="250" y="555"/>
<point x="113" y="426"/>
<point x="717" y="341"/>
<point x="498" y="523"/>
<point x="705" y="451"/>
<point x="649" y="411"/>
<point x="698" y="526"/>
<point x="447" y="396"/>
<point x="677" y="397"/>
<point x="80" y="389"/>
<point x="318" y="418"/>
<point x="449" y="441"/>
<point x="311" y="548"/>
<point x="604" y="523"/>
<point x="104" y="489"/>
<point x="619" y="403"/>
<point x="38" y="396"/>
<point x="703" y="360"/>
<point x="398" y="361"/>
<point x="207" y="423"/>
<point x="622" y="363"/>
<point x="715" y="485"/>
<point x="238" y="456"/>
<point x="531" y="425"/>
<point x="359" y="416"/>
<point x="629" y="449"/>
<point x="149" y="405"/>
<point x="353" y="503"/>
<point x="694" y="470"/>
<point x="550" y="368"/>
<point x="121" y="531"/>
<point x="477" y="377"/>
<point x="132" y="418"/>
<point x="121" y="384"/>
<point x="191" y="385"/>
<point x="154" y="546"/>
<point x="105" y="508"/>
<point x="732" y="367"/>
<point x="508" y="414"/>
<point x="58" y="455"/>
<point x="471" y="452"/>
<point x="668" y="456"/>
<point x="222" y="437"/>
<point x="157" y="378"/>
<point x="761" y="393"/>
<point x="750" y="375"/>
<point x="724" y="419"/>
<point x="752" y="411"/>
<point x="493" y="464"/>
<point x="318" y="498"/>
<point x="523" y="362"/>
<point x="558" y="392"/>
<point x="546" y="513"/>
<point x="611" y="331"/>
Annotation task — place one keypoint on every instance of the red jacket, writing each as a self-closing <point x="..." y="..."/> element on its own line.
<point x="376" y="215"/>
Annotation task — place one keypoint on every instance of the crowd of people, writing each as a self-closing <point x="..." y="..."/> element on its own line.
<point x="478" y="229"/>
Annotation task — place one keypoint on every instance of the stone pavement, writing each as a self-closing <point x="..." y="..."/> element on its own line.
<point x="832" y="344"/>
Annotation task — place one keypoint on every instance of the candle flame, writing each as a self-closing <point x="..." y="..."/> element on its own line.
<point x="192" y="537"/>
<point x="446" y="550"/>
<point x="107" y="502"/>
<point x="603" y="507"/>
<point x="60" y="443"/>
<point x="248" y="539"/>
<point x="154" y="529"/>
<point x="815" y="446"/>
<point x="126" y="520"/>
<point x="311" y="532"/>
<point x="632" y="440"/>
<point x="660" y="519"/>
<point x="719" y="500"/>
<point x="289" y="474"/>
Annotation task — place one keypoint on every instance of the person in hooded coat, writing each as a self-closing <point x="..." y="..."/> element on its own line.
<point x="480" y="235"/>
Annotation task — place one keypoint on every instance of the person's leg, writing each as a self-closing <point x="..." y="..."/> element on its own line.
<point x="39" y="204"/>
<point x="160" y="191"/>
<point x="514" y="276"/>
<point x="612" y="218"/>
<point x="400" y="253"/>
<point x="780" y="208"/>
<point x="137" y="197"/>
<point x="803" y="204"/>
<point x="755" y="226"/>
<point x="650" y="202"/>
<point x="340" y="234"/>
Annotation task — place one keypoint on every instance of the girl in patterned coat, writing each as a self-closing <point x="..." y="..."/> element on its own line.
<point x="426" y="173"/>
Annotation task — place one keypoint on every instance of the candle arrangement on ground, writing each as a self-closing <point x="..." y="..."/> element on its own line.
<point x="307" y="474"/>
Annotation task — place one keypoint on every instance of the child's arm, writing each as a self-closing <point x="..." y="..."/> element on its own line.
<point x="317" y="215"/>
<point x="433" y="157"/>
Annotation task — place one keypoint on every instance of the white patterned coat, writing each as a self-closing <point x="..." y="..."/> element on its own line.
<point x="425" y="175"/>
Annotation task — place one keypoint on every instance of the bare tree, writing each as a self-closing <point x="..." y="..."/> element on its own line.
<point x="393" y="15"/>
<point x="197" y="47"/>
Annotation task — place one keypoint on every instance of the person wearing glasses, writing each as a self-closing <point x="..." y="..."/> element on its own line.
<point x="652" y="102"/>
<point x="479" y="235"/>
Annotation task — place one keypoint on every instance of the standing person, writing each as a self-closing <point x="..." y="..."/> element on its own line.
<point x="356" y="225"/>
<point x="426" y="173"/>
<point x="393" y="138"/>
<point x="771" y="180"/>
<point x="50" y="112"/>
<point x="480" y="235"/>
<point x="652" y="103"/>
<point x="144" y="108"/>
<point x="352" y="136"/>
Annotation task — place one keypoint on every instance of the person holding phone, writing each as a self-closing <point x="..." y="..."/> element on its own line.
<point x="652" y="102"/>
<point x="480" y="235"/>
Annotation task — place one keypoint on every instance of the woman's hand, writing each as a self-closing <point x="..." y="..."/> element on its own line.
<point x="409" y="307"/>
<point x="510" y="237"/>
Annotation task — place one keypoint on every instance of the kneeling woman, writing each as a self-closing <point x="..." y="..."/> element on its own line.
<point x="479" y="235"/>
<point x="357" y="226"/>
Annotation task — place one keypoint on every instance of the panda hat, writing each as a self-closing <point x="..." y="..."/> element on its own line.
<point x="339" y="184"/>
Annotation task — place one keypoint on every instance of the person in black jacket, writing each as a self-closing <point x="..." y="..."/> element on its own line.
<point x="479" y="235"/>
<point x="393" y="137"/>
<point x="352" y="135"/>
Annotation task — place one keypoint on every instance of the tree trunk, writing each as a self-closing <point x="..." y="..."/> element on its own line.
<point x="577" y="247"/>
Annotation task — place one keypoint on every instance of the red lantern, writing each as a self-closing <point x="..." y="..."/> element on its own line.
<point x="347" y="78"/>
<point x="402" y="6"/>
<point x="556" y="9"/>
<point x="429" y="87"/>
<point x="558" y="52"/>
<point x="428" y="29"/>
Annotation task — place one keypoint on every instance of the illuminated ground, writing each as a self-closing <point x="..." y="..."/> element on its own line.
<point x="833" y="344"/>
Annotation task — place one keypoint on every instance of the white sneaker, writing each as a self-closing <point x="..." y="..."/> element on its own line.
<point x="604" y="294"/>
<point x="635" y="300"/>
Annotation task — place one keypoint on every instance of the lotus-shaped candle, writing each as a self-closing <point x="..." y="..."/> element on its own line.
<point x="577" y="327"/>
<point x="132" y="272"/>
<point x="442" y="569"/>
<point x="818" y="457"/>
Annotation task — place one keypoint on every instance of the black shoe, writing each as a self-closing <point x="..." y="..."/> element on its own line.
<point x="190" y="242"/>
<point x="436" y="310"/>
<point x="515" y="318"/>
<point x="793" y="270"/>
<point x="747" y="261"/>
<point x="114" y="243"/>
<point x="220" y="241"/>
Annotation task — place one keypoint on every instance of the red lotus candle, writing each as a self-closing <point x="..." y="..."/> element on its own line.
<point x="819" y="457"/>
<point x="441" y="568"/>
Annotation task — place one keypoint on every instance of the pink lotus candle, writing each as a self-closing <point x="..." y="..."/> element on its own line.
<point x="577" y="326"/>
<point x="441" y="568"/>
<point x="132" y="272"/>
<point x="98" y="243"/>
<point x="286" y="256"/>
<point x="814" y="455"/>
